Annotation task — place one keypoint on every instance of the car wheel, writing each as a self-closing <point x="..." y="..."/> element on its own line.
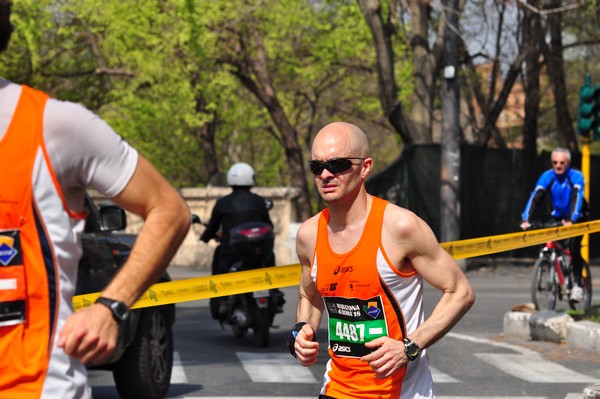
<point x="144" y="371"/>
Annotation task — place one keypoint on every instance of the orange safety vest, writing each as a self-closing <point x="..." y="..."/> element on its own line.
<point x="28" y="272"/>
<point x="360" y="308"/>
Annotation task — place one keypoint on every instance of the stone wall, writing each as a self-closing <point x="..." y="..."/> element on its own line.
<point x="197" y="254"/>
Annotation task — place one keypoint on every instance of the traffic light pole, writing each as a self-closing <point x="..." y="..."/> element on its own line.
<point x="585" y="169"/>
<point x="588" y="126"/>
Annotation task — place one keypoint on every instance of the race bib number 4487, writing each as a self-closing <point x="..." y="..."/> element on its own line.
<point x="352" y="322"/>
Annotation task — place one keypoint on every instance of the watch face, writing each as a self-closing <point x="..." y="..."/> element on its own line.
<point x="411" y="349"/>
<point x="120" y="310"/>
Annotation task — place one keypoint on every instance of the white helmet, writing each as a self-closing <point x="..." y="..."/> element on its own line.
<point x="240" y="174"/>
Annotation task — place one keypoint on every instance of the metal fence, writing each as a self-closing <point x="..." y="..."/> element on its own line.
<point x="494" y="187"/>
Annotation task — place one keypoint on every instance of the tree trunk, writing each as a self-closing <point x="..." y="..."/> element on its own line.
<point x="491" y="118"/>
<point x="532" y="37"/>
<point x="424" y="66"/>
<point x="252" y="70"/>
<point x="554" y="62"/>
<point x="206" y="138"/>
<point x="382" y="33"/>
<point x="450" y="148"/>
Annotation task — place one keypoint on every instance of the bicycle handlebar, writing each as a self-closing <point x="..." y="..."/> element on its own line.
<point x="543" y="225"/>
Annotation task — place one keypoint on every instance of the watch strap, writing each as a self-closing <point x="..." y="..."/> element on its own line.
<point x="292" y="337"/>
<point x="113" y="305"/>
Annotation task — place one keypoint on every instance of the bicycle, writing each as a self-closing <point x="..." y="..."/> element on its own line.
<point x="552" y="277"/>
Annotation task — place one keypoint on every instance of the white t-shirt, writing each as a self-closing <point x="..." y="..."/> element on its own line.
<point x="85" y="152"/>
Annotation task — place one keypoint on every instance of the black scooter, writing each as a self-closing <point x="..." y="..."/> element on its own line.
<point x="252" y="247"/>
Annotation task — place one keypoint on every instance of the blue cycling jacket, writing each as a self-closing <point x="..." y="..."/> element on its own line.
<point x="566" y="195"/>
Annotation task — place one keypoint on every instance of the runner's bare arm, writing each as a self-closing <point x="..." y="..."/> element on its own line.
<point x="422" y="252"/>
<point x="90" y="334"/>
<point x="411" y="245"/>
<point x="310" y="304"/>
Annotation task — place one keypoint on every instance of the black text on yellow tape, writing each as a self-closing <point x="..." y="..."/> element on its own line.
<point x="209" y="287"/>
<point x="505" y="242"/>
<point x="283" y="276"/>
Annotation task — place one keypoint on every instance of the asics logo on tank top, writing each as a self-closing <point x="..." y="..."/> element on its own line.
<point x="340" y="348"/>
<point x="343" y="269"/>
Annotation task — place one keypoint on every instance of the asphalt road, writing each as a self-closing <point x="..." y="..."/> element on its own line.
<point x="475" y="360"/>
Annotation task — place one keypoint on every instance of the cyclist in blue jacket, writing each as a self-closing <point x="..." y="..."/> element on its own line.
<point x="565" y="188"/>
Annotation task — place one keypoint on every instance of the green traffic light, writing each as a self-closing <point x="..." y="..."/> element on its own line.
<point x="584" y="125"/>
<point x="587" y="93"/>
<point x="587" y="109"/>
<point x="588" y="116"/>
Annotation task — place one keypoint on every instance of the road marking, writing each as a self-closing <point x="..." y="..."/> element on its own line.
<point x="528" y="365"/>
<point x="569" y="396"/>
<point x="533" y="368"/>
<point x="518" y="349"/>
<point x="491" y="397"/>
<point x="178" y="373"/>
<point x="275" y="367"/>
<point x="439" y="377"/>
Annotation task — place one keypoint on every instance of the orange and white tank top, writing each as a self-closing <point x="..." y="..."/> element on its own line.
<point x="366" y="297"/>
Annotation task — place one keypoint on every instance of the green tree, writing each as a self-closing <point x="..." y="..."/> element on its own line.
<point x="290" y="55"/>
<point x="197" y="85"/>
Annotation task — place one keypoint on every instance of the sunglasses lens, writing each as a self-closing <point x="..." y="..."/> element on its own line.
<point x="316" y="167"/>
<point x="334" y="166"/>
<point x="339" y="165"/>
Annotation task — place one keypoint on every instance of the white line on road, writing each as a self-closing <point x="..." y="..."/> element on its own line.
<point x="275" y="367"/>
<point x="478" y="340"/>
<point x="178" y="373"/>
<point x="528" y="365"/>
<point x="491" y="397"/>
<point x="313" y="397"/>
<point x="439" y="377"/>
<point x="533" y="368"/>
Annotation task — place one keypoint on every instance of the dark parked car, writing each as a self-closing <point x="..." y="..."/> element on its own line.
<point x="143" y="360"/>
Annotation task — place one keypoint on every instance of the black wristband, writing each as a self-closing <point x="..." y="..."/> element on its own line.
<point x="292" y="338"/>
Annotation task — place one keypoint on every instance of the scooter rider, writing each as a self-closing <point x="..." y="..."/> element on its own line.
<point x="239" y="207"/>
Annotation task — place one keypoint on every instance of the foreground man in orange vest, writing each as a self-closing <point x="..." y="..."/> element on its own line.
<point x="50" y="152"/>
<point x="364" y="261"/>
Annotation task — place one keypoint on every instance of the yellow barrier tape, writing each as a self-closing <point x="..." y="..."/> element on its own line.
<point x="208" y="287"/>
<point x="284" y="276"/>
<point x="505" y="242"/>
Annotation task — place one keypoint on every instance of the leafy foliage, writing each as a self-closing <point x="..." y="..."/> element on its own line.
<point x="161" y="73"/>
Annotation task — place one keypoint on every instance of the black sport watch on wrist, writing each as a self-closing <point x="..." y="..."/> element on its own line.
<point x="119" y="310"/>
<point x="411" y="349"/>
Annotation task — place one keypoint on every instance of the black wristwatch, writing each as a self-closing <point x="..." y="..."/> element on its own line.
<point x="411" y="349"/>
<point x="119" y="310"/>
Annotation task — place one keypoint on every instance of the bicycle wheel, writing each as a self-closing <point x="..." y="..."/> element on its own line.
<point x="544" y="289"/>
<point x="586" y="285"/>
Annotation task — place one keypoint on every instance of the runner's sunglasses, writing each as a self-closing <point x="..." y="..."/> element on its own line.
<point x="334" y="165"/>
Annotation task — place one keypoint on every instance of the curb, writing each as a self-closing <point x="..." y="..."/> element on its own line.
<point x="552" y="326"/>
<point x="592" y="392"/>
<point x="555" y="327"/>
